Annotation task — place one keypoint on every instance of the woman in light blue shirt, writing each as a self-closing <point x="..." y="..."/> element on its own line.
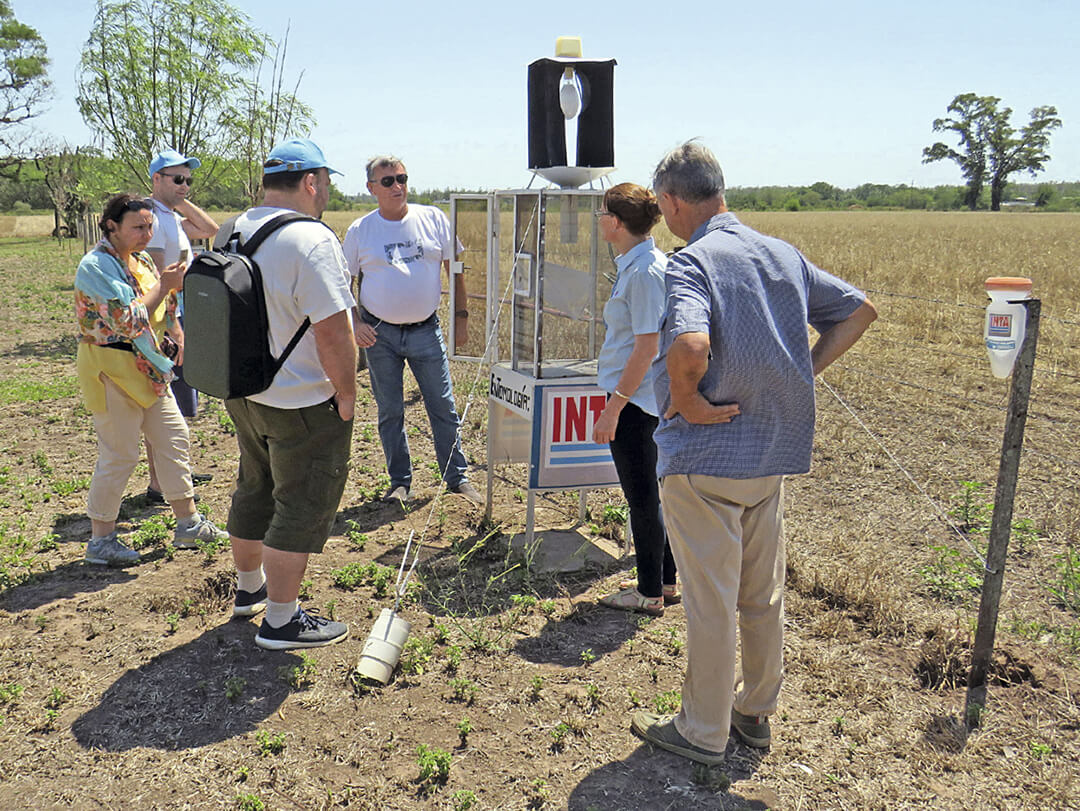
<point x="632" y="320"/>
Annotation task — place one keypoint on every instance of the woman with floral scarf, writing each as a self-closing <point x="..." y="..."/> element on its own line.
<point x="128" y="338"/>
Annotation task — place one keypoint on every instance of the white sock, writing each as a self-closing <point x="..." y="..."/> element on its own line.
<point x="250" y="581"/>
<point x="279" y="614"/>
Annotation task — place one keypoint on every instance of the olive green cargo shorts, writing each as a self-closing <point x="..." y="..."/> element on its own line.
<point x="293" y="468"/>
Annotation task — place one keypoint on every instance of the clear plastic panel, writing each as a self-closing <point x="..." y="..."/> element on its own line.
<point x="544" y="247"/>
<point x="470" y="220"/>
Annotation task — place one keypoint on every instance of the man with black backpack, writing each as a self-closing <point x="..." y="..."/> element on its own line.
<point x="294" y="435"/>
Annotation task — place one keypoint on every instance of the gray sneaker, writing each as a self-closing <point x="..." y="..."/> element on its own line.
<point x="753" y="730"/>
<point x="659" y="730"/>
<point x="398" y="493"/>
<point x="202" y="531"/>
<point x="110" y="551"/>
<point x="468" y="491"/>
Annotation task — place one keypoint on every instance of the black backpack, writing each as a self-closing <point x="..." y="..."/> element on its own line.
<point x="227" y="339"/>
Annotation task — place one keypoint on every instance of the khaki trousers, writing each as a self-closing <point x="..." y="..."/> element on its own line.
<point x="119" y="431"/>
<point x="727" y="539"/>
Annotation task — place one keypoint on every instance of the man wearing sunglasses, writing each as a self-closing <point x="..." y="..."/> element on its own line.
<point x="176" y="221"/>
<point x="396" y="253"/>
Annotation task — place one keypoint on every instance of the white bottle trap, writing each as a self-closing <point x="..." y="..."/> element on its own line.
<point x="1006" y="321"/>
<point x="384" y="644"/>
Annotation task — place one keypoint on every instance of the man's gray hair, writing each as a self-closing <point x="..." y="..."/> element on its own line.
<point x="382" y="162"/>
<point x="690" y="172"/>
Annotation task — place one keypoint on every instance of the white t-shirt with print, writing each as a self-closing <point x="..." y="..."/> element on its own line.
<point x="169" y="236"/>
<point x="400" y="260"/>
<point x="304" y="274"/>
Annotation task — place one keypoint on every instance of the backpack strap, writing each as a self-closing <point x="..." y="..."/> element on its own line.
<point x="252" y="243"/>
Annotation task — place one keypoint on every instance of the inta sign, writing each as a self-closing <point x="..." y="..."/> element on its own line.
<point x="562" y="440"/>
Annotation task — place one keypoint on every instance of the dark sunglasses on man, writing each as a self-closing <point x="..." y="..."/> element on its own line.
<point x="390" y="180"/>
<point x="179" y="180"/>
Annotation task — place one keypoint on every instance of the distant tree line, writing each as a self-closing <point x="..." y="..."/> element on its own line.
<point x="823" y="196"/>
<point x="96" y="176"/>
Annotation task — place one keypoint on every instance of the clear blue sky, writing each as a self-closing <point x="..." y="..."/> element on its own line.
<point x="785" y="93"/>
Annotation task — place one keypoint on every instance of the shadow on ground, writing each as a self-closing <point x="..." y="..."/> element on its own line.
<point x="588" y="630"/>
<point x="63" y="347"/>
<point x="178" y="699"/>
<point x="653" y="779"/>
<point x="63" y="582"/>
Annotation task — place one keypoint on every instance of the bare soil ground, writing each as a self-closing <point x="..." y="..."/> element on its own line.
<point x="133" y="689"/>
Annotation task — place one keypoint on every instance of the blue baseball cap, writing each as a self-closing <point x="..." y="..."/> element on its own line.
<point x="296" y="155"/>
<point x="170" y="157"/>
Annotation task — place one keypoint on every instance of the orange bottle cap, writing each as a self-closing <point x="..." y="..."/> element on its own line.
<point x="1015" y="283"/>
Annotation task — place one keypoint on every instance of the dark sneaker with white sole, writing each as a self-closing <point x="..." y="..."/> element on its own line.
<point x="753" y="730"/>
<point x="249" y="603"/>
<point x="110" y="551"/>
<point x="305" y="630"/>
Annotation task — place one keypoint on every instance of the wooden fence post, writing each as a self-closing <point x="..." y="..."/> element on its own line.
<point x="1001" y="524"/>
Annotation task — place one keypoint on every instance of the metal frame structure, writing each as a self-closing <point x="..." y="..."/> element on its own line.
<point x="516" y="279"/>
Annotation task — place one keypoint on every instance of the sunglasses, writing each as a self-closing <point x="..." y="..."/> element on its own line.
<point x="179" y="180"/>
<point x="602" y="213"/>
<point x="390" y="180"/>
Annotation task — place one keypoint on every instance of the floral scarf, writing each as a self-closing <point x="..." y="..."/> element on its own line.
<point x="108" y="311"/>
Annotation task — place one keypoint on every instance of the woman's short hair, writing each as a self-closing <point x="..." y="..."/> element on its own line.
<point x="118" y="205"/>
<point x="634" y="205"/>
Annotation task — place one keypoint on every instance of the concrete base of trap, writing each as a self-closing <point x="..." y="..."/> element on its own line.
<point x="567" y="550"/>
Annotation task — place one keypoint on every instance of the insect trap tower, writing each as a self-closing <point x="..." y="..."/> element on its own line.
<point x="537" y="255"/>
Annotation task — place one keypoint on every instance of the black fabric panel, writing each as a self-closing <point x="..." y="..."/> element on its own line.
<point x="596" y="122"/>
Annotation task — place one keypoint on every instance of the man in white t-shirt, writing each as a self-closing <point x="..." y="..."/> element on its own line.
<point x="397" y="253"/>
<point x="295" y="436"/>
<point x="176" y="221"/>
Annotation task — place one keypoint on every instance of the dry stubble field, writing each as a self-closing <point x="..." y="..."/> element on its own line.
<point x="131" y="688"/>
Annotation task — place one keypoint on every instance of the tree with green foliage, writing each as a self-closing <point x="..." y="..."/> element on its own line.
<point x="989" y="146"/>
<point x="263" y="117"/>
<point x="169" y="73"/>
<point x="24" y="80"/>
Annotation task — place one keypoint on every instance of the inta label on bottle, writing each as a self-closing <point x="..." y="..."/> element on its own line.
<point x="1000" y="325"/>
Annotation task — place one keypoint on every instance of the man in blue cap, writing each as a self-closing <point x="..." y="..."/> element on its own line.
<point x="176" y="221"/>
<point x="295" y="436"/>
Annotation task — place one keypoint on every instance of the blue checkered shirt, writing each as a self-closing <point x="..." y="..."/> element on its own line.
<point x="753" y="295"/>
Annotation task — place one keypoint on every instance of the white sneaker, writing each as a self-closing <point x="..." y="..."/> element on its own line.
<point x="201" y="531"/>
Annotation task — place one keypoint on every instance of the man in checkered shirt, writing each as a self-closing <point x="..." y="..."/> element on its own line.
<point x="735" y="386"/>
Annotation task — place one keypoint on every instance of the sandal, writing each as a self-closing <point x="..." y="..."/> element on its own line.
<point x="672" y="595"/>
<point x="630" y="599"/>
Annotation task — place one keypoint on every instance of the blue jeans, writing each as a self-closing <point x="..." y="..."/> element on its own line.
<point x="422" y="346"/>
